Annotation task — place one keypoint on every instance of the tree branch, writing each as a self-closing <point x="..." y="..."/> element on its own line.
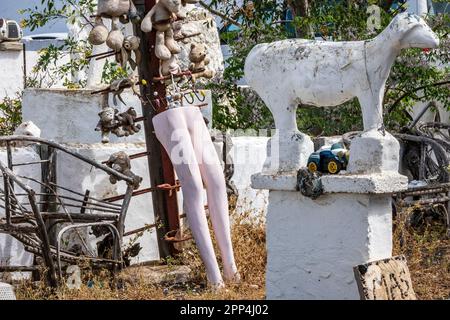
<point x="406" y="94"/>
<point x="219" y="14"/>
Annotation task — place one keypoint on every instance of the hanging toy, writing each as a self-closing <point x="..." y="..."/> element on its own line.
<point x="130" y="44"/>
<point x="115" y="38"/>
<point x="160" y="17"/>
<point x="99" y="33"/>
<point x="114" y="10"/>
<point x="168" y="67"/>
<point x="199" y="59"/>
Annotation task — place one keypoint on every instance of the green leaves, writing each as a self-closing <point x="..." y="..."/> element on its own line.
<point x="11" y="111"/>
<point x="416" y="76"/>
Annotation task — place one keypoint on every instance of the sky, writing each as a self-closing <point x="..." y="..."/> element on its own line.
<point x="9" y="8"/>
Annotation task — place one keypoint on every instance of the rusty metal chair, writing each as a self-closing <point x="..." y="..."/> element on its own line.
<point x="30" y="215"/>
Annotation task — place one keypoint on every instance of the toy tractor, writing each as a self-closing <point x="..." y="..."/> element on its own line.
<point x="329" y="159"/>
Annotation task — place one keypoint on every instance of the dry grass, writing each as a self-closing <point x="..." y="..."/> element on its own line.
<point x="248" y="234"/>
<point x="427" y="249"/>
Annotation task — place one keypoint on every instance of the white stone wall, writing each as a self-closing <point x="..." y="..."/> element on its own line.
<point x="78" y="176"/>
<point x="11" y="73"/>
<point x="249" y="154"/>
<point x="70" y="116"/>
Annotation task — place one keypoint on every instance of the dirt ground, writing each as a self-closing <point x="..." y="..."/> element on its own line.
<point x="426" y="247"/>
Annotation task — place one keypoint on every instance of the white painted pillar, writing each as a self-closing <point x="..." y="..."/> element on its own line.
<point x="313" y="245"/>
<point x="11" y="69"/>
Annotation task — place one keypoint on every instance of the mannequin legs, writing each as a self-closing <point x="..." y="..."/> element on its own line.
<point x="185" y="137"/>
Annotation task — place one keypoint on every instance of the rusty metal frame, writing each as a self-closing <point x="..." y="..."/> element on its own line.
<point x="27" y="223"/>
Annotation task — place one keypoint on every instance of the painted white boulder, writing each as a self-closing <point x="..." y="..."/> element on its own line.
<point x="374" y="152"/>
<point x="318" y="73"/>
<point x="200" y="27"/>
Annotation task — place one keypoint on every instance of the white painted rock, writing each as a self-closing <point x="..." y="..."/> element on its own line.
<point x="200" y="21"/>
<point x="374" y="153"/>
<point x="27" y="128"/>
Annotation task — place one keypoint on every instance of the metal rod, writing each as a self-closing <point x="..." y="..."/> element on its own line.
<point x="99" y="204"/>
<point x="80" y="194"/>
<point x="178" y="75"/>
<point x="106" y="56"/>
<point x="123" y="213"/>
<point x="18" y="268"/>
<point x="427" y="201"/>
<point x="45" y="242"/>
<point x="79" y="216"/>
<point x="100" y="54"/>
<point x="188" y="36"/>
<point x="94" y="208"/>
<point x="93" y="163"/>
<point x="7" y="203"/>
<point x="85" y="200"/>
<point x="29" y="163"/>
<point x="135" y="193"/>
<point x="134" y="156"/>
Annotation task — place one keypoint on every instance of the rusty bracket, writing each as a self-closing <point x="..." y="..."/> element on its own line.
<point x="170" y="188"/>
<point x="174" y="236"/>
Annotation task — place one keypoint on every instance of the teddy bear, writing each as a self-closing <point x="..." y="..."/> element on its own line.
<point x="160" y="17"/>
<point x="116" y="10"/>
<point x="113" y="8"/>
<point x="120" y="162"/>
<point x="170" y="66"/>
<point x="108" y="123"/>
<point x="199" y="59"/>
<point x="127" y="122"/>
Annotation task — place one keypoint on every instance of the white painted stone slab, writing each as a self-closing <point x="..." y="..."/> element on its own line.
<point x="11" y="73"/>
<point x="249" y="154"/>
<point x="312" y="246"/>
<point x="387" y="182"/>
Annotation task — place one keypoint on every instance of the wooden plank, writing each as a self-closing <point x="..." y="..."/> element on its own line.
<point x="161" y="170"/>
<point x="387" y="279"/>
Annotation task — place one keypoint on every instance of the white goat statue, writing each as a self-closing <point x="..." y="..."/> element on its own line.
<point x="288" y="73"/>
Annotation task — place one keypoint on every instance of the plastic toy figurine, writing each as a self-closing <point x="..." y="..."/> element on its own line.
<point x="329" y="159"/>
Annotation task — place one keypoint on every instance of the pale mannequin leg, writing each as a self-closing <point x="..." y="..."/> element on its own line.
<point x="214" y="180"/>
<point x="171" y="130"/>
